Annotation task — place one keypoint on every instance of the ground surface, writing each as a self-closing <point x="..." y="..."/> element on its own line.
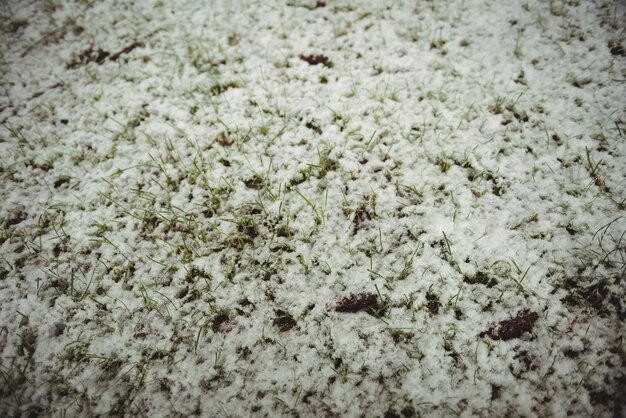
<point x="301" y="208"/>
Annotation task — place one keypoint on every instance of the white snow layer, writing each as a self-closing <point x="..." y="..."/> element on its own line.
<point x="193" y="194"/>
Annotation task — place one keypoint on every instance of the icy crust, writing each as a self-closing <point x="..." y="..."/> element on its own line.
<point x="312" y="208"/>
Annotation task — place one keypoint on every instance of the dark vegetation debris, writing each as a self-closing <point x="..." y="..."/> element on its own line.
<point x="99" y="55"/>
<point x="17" y="217"/>
<point x="219" y="322"/>
<point x="91" y="54"/>
<point x="126" y="50"/>
<point x="316" y="59"/>
<point x="255" y="182"/>
<point x="357" y="302"/>
<point x="514" y="327"/>
<point x="61" y="181"/>
<point x="616" y="48"/>
<point x="312" y="125"/>
<point x="433" y="303"/>
<point x="283" y="320"/>
<point x="366" y="211"/>
<point x="583" y="294"/>
<point x="219" y="88"/>
<point x="481" y="278"/>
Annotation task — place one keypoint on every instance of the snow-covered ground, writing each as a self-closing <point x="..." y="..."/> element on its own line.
<point x="340" y="208"/>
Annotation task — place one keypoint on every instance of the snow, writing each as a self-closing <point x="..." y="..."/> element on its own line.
<point x="185" y="200"/>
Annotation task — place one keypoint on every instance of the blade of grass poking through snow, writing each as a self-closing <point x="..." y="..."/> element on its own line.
<point x="448" y="249"/>
<point x="519" y="281"/>
<point x="316" y="216"/>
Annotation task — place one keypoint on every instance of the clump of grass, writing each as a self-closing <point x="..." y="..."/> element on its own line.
<point x="219" y="88"/>
<point x="325" y="164"/>
<point x="444" y="164"/>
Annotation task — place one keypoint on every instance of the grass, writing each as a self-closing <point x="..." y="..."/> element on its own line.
<point x="249" y="186"/>
<point x="319" y="220"/>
